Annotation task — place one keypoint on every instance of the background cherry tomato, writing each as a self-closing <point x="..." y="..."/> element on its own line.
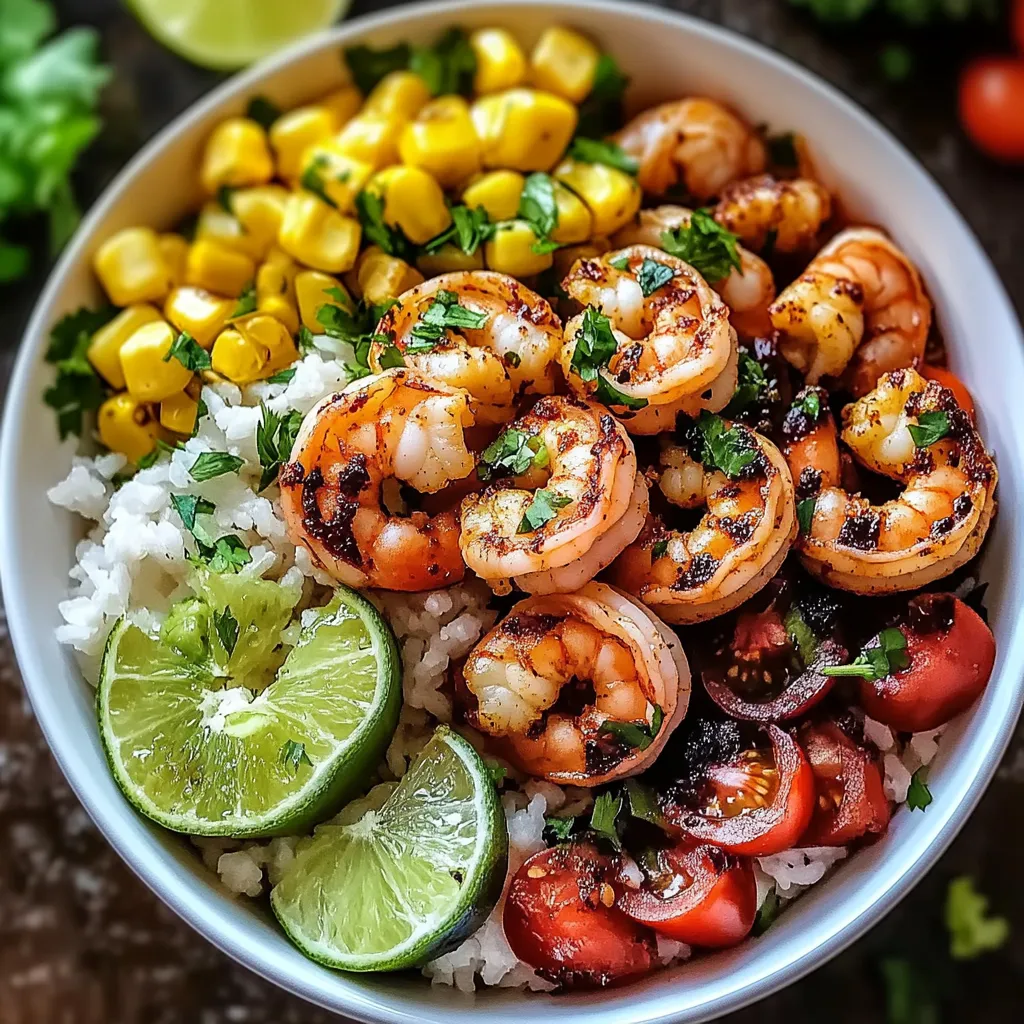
<point x="560" y="917"/>
<point x="992" y="106"/>
<point x="948" y="668"/>
<point x="950" y="380"/>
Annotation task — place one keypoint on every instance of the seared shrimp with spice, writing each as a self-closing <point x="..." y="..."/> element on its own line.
<point x="654" y="339"/>
<point x="914" y="432"/>
<point x="477" y="330"/>
<point x="395" y="428"/>
<point x="765" y="213"/>
<point x="564" y="682"/>
<point x="694" y="143"/>
<point x="859" y="309"/>
<point x="743" y="482"/>
<point x="556" y="517"/>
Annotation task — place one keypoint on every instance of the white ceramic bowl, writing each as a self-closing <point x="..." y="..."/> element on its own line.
<point x="668" y="56"/>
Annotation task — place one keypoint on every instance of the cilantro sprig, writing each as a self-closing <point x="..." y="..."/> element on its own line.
<point x="729" y="449"/>
<point x="443" y="314"/>
<point x="705" y="245"/>
<point x="539" y="208"/>
<point x="638" y="735"/>
<point x="752" y="386"/>
<point x="512" y="453"/>
<point x="877" y="661"/>
<point x="468" y="230"/>
<point x="930" y="428"/>
<point x="595" y="346"/>
<point x="542" y="509"/>
<point x="223" y="554"/>
<point x="275" y="435"/>
<point x="356" y="327"/>
<point x="602" y="111"/>
<point x="370" y="210"/>
<point x="187" y="351"/>
<point x="447" y="66"/>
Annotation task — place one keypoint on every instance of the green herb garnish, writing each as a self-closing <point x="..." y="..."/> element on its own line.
<point x="539" y="208"/>
<point x="209" y="465"/>
<point x="246" y="302"/>
<point x="542" y="509"/>
<point x="705" y="245"/>
<point x="189" y="353"/>
<point x="601" y="111"/>
<point x="919" y="796"/>
<point x="263" y="111"/>
<point x="370" y="209"/>
<point x="805" y="514"/>
<point x="876" y="662"/>
<point x="930" y="427"/>
<point x="226" y="626"/>
<point x="512" y="453"/>
<point x="603" y="817"/>
<point x="368" y="66"/>
<point x="188" y="506"/>
<point x="611" y="154"/>
<point x="293" y="754"/>
<point x="728" y="449"/>
<point x="275" y="435"/>
<point x="752" y="386"/>
<point x="638" y="735"/>
<point x="468" y="230"/>
<point x="972" y="931"/>
<point x="595" y="346"/>
<point x="652" y="275"/>
<point x="448" y="66"/>
<point x="443" y="314"/>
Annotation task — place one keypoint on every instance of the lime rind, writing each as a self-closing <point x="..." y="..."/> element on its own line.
<point x="204" y="759"/>
<point x="402" y="884"/>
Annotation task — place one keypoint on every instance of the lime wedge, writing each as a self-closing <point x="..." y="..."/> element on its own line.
<point x="228" y="34"/>
<point x="395" y="886"/>
<point x="212" y="729"/>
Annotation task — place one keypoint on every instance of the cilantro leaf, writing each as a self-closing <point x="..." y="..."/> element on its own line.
<point x="805" y="514"/>
<point x="355" y="328"/>
<point x="876" y="662"/>
<point x="809" y="403"/>
<point x="972" y="931"/>
<point x="659" y="549"/>
<point x="611" y="154"/>
<point x="512" y="453"/>
<point x="642" y="803"/>
<point x="497" y="771"/>
<point x="602" y="111"/>
<point x="542" y="509"/>
<point x="227" y="554"/>
<point x="227" y="629"/>
<point x="188" y="506"/>
<point x="189" y="353"/>
<point x="368" y="66"/>
<point x="443" y="314"/>
<point x="705" y="245"/>
<point x="638" y="735"/>
<point x="225" y="197"/>
<point x="468" y="230"/>
<point x="539" y="208"/>
<point x="766" y="914"/>
<point x="595" y="346"/>
<point x="275" y="435"/>
<point x="370" y="209"/>
<point x="919" y="796"/>
<point x="652" y="275"/>
<point x="282" y="376"/>
<point x="312" y="178"/>
<point x="213" y="464"/>
<point x="560" y="829"/>
<point x="752" y="386"/>
<point x="448" y="66"/>
<point x="603" y="817"/>
<point x="728" y="449"/>
<point x="263" y="111"/>
<point x="293" y="754"/>
<point x="930" y="427"/>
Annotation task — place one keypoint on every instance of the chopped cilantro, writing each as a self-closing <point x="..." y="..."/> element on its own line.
<point x="282" y="376"/>
<point x="930" y="427"/>
<point x="448" y="66"/>
<point x="611" y="154"/>
<point x="805" y="514"/>
<point x="769" y="910"/>
<point x="443" y="314"/>
<point x="542" y="509"/>
<point x="246" y="301"/>
<point x="728" y="449"/>
<point x="539" y="208"/>
<point x="225" y="195"/>
<point x="468" y="230"/>
<point x="782" y="151"/>
<point x="752" y="386"/>
<point x="368" y="66"/>
<point x="659" y="549"/>
<point x="595" y="346"/>
<point x="638" y="735"/>
<point x="619" y="262"/>
<point x="809" y="403"/>
<point x="275" y="435"/>
<point x="603" y="817"/>
<point x="312" y="179"/>
<point x="188" y="506"/>
<point x="653" y="275"/>
<point x="512" y="453"/>
<point x="601" y="112"/>
<point x="705" y="245"/>
<point x="370" y="209"/>
<point x="189" y="353"/>
<point x="642" y="803"/>
<point x="876" y="662"/>
<point x="227" y="629"/>
<point x="972" y="931"/>
<point x="355" y="328"/>
<point x="227" y="554"/>
<point x="497" y="771"/>
<point x="560" y="829"/>
<point x="213" y="464"/>
<point x="919" y="796"/>
<point x="293" y="754"/>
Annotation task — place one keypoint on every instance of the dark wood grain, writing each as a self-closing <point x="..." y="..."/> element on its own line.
<point x="83" y="942"/>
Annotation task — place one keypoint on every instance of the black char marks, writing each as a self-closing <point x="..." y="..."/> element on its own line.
<point x="335" y="533"/>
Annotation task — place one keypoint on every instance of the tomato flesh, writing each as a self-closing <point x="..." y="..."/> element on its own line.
<point x="758" y="804"/>
<point x="700" y="896"/>
<point x="951" y="653"/>
<point x="850" y="796"/>
<point x="561" y="918"/>
<point x="992" y="106"/>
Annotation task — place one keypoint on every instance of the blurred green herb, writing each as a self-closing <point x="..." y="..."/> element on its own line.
<point x="972" y="931"/>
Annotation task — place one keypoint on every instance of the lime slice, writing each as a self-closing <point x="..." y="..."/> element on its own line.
<point x="396" y="886"/>
<point x="228" y="34"/>
<point x="211" y="729"/>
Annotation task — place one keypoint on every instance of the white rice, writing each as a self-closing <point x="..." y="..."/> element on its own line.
<point x="135" y="557"/>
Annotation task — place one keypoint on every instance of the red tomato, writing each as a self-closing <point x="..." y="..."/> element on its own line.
<point x="703" y="897"/>
<point x="951" y="653"/>
<point x="851" y="798"/>
<point x="560" y="917"/>
<point x="992" y="106"/>
<point x="950" y="380"/>
<point x="756" y="805"/>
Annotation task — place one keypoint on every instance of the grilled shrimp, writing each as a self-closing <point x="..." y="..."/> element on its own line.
<point x="790" y="213"/>
<point x="735" y="549"/>
<point x="748" y="292"/>
<point x="810" y="442"/>
<point x="397" y="425"/>
<point x="939" y="520"/>
<point x="556" y="527"/>
<point x="513" y="351"/>
<point x="556" y="677"/>
<point x="672" y="345"/>
<point x="696" y="143"/>
<point x="859" y="307"/>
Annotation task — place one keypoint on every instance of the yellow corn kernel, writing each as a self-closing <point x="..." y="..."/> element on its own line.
<point x="442" y="141"/>
<point x="216" y="224"/>
<point x="413" y="202"/>
<point x="565" y="257"/>
<point x="199" y="313"/>
<point x="318" y="235"/>
<point x="382" y="278"/>
<point x="497" y="192"/>
<point x="343" y="103"/>
<point x="237" y="154"/>
<point x="275" y="289"/>
<point x="282" y="309"/>
<point x="500" y="61"/>
<point x="174" y="249"/>
<point x="574" y="220"/>
<point x="510" y="251"/>
<point x="104" y="351"/>
<point x="272" y="335"/>
<point x="333" y="175"/>
<point x="371" y="138"/>
<point x="260" y="210"/>
<point x="131" y="268"/>
<point x="128" y="426"/>
<point x="612" y="196"/>
<point x="398" y="94"/>
<point x="215" y="267"/>
<point x="564" y="62"/>
<point x="448" y="259"/>
<point x="238" y="358"/>
<point x="293" y="133"/>
<point x="524" y="129"/>
<point x="178" y="412"/>
<point x="148" y="375"/>
<point x="311" y="288"/>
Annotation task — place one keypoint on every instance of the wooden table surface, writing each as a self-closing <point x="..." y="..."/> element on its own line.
<point x="83" y="942"/>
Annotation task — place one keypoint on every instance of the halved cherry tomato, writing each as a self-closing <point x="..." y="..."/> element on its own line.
<point x="761" y="677"/>
<point x="757" y="804"/>
<point x="951" y="653"/>
<point x="851" y="798"/>
<point x="699" y="895"/>
<point x="992" y="106"/>
<point x="950" y="380"/>
<point x="560" y="917"/>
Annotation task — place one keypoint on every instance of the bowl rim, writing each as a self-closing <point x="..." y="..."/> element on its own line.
<point x="843" y="927"/>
